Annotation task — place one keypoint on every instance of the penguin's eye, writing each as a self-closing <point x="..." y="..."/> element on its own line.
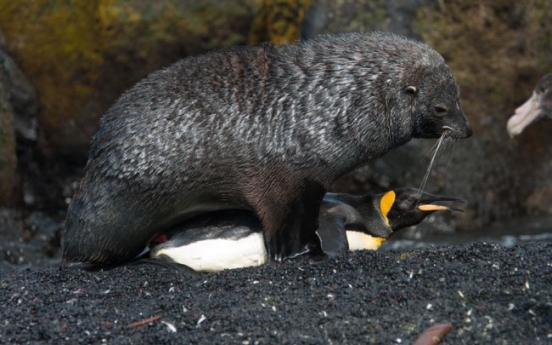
<point x="441" y="110"/>
<point x="407" y="203"/>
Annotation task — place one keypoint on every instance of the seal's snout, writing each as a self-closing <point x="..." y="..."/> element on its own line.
<point x="458" y="133"/>
<point x="468" y="132"/>
<point x="465" y="133"/>
<point x="456" y="125"/>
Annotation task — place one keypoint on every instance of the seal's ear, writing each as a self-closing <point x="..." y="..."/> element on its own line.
<point x="411" y="90"/>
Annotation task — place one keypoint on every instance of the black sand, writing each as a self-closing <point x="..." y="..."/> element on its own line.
<point x="491" y="295"/>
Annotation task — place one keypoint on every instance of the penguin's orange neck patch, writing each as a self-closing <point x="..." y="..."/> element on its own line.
<point x="386" y="202"/>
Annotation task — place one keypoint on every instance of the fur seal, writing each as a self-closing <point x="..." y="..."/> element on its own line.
<point x="540" y="104"/>
<point x="262" y="128"/>
<point x="234" y="239"/>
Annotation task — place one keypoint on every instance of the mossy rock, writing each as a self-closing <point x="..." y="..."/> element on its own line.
<point x="498" y="51"/>
<point x="8" y="158"/>
<point x="81" y="55"/>
<point x="279" y="21"/>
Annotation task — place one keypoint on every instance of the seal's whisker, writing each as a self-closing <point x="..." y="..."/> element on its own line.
<point x="453" y="144"/>
<point x="431" y="152"/>
<point x="431" y="163"/>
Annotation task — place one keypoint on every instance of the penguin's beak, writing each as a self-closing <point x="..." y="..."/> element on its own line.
<point x="431" y="208"/>
<point x="427" y="204"/>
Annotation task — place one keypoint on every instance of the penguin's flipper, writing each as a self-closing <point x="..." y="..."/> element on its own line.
<point x="332" y="235"/>
<point x="164" y="261"/>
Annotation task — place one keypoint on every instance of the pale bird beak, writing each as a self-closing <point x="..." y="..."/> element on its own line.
<point x="524" y="115"/>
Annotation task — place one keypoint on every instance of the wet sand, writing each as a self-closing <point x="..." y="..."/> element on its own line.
<point x="489" y="293"/>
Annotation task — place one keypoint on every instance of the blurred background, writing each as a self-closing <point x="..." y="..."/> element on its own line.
<point x="64" y="62"/>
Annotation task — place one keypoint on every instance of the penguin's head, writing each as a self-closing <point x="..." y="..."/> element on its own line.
<point x="404" y="207"/>
<point x="395" y="210"/>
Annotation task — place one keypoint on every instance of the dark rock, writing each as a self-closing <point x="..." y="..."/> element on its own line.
<point x="8" y="160"/>
<point x="21" y="96"/>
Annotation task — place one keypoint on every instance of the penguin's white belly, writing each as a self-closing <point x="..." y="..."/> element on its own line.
<point x="361" y="241"/>
<point x="214" y="255"/>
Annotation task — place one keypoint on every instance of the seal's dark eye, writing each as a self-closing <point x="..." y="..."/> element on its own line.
<point x="441" y="110"/>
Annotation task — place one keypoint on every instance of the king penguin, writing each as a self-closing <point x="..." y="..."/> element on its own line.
<point x="234" y="239"/>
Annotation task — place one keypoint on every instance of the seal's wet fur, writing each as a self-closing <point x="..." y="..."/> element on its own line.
<point x="265" y="128"/>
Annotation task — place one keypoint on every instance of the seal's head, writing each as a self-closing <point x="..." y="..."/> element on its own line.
<point x="435" y="101"/>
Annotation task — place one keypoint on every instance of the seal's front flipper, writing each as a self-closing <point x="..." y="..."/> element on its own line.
<point x="332" y="235"/>
<point x="291" y="231"/>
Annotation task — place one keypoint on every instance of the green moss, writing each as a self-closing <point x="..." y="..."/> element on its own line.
<point x="215" y="23"/>
<point x="278" y="21"/>
<point x="372" y="18"/>
<point x="58" y="44"/>
<point x="348" y="15"/>
<point x="7" y="150"/>
<point x="408" y="255"/>
<point x="410" y="327"/>
<point x="539" y="26"/>
<point x="72" y="50"/>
